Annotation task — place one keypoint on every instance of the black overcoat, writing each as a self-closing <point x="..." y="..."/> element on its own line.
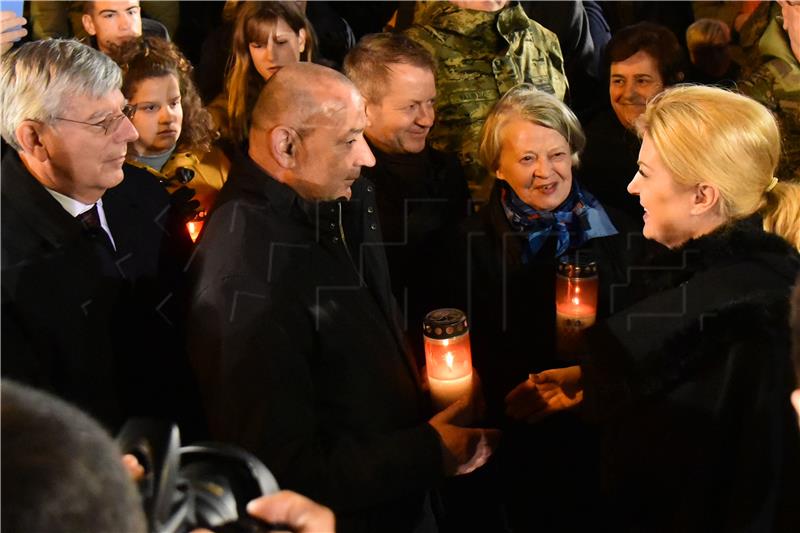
<point x="295" y="339"/>
<point x="94" y="328"/>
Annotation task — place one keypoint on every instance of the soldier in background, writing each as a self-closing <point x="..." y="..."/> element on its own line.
<point x="483" y="49"/>
<point x="776" y="82"/>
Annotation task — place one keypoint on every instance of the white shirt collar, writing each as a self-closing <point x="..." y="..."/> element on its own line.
<point x="70" y="205"/>
<point x="75" y="208"/>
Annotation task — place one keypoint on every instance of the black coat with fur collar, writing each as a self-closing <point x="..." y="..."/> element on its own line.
<point x="692" y="385"/>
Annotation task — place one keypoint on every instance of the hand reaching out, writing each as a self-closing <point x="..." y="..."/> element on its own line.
<point x="292" y="510"/>
<point x="545" y="393"/>
<point x="295" y="510"/>
<point x="463" y="449"/>
<point x="11" y="30"/>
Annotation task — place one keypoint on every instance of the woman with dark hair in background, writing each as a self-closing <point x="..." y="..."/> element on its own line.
<point x="643" y="60"/>
<point x="266" y="36"/>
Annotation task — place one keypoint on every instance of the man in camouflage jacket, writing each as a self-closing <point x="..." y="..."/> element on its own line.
<point x="776" y="84"/>
<point x="481" y="55"/>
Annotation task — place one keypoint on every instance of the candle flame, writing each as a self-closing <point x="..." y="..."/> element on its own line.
<point x="193" y="227"/>
<point x="576" y="301"/>
<point x="448" y="359"/>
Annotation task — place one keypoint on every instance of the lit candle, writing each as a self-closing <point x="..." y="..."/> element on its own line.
<point x="195" y="225"/>
<point x="448" y="358"/>
<point x="576" y="302"/>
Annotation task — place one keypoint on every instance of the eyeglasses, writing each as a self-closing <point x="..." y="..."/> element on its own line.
<point x="111" y="123"/>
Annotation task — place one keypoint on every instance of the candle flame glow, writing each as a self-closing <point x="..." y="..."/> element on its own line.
<point x="193" y="227"/>
<point x="448" y="359"/>
<point x="576" y="301"/>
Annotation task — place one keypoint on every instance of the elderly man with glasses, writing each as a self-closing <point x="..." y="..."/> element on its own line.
<point x="86" y="283"/>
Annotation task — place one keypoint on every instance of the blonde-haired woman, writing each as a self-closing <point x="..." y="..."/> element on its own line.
<point x="266" y="36"/>
<point x="692" y="382"/>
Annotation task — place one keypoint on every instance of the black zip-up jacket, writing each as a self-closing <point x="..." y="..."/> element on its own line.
<point x="300" y="358"/>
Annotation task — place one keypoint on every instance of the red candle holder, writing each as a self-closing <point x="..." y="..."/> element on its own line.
<point x="448" y="357"/>
<point x="576" y="302"/>
<point x="195" y="226"/>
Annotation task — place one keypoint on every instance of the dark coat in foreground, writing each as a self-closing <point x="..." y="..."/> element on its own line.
<point x="87" y="323"/>
<point x="692" y="385"/>
<point x="300" y="357"/>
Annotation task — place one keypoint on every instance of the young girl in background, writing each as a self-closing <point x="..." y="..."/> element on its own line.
<point x="175" y="132"/>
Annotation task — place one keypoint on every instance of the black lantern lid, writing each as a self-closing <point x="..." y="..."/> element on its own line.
<point x="445" y="324"/>
<point x="577" y="268"/>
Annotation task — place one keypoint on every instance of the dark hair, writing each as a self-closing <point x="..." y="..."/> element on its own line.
<point x="153" y="57"/>
<point x="254" y="21"/>
<point x="367" y="63"/>
<point x="61" y="471"/>
<point x="657" y="41"/>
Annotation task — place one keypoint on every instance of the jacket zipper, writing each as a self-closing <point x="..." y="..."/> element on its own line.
<point x="347" y="248"/>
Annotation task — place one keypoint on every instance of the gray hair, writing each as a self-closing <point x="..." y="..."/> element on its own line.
<point x="36" y="78"/>
<point x="528" y="103"/>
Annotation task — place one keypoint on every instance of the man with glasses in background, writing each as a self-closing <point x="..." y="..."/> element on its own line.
<point x="86" y="279"/>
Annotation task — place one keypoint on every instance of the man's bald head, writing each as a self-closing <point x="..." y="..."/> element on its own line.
<point x="302" y="95"/>
<point x="307" y="131"/>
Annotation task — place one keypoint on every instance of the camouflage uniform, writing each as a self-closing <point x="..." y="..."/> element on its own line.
<point x="481" y="55"/>
<point x="776" y="84"/>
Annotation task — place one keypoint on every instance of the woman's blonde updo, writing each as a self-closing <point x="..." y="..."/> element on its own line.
<point x="711" y="135"/>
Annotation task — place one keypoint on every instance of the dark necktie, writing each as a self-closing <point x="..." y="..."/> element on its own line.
<point x="91" y="223"/>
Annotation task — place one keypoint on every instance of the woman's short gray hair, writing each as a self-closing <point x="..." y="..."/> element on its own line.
<point x="36" y="78"/>
<point x="528" y="103"/>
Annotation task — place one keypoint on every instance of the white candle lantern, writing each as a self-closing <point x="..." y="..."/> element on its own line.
<point x="448" y="357"/>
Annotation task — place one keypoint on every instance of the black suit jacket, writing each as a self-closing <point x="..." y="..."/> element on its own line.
<point x="94" y="328"/>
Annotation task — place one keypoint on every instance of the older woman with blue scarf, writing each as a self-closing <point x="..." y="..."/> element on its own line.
<point x="537" y="213"/>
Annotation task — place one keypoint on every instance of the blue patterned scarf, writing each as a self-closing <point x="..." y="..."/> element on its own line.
<point x="577" y="220"/>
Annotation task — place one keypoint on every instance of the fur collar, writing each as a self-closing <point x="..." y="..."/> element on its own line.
<point x="737" y="241"/>
<point x="725" y="308"/>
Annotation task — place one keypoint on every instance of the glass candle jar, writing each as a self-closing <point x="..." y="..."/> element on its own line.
<point x="448" y="357"/>
<point x="576" y="302"/>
